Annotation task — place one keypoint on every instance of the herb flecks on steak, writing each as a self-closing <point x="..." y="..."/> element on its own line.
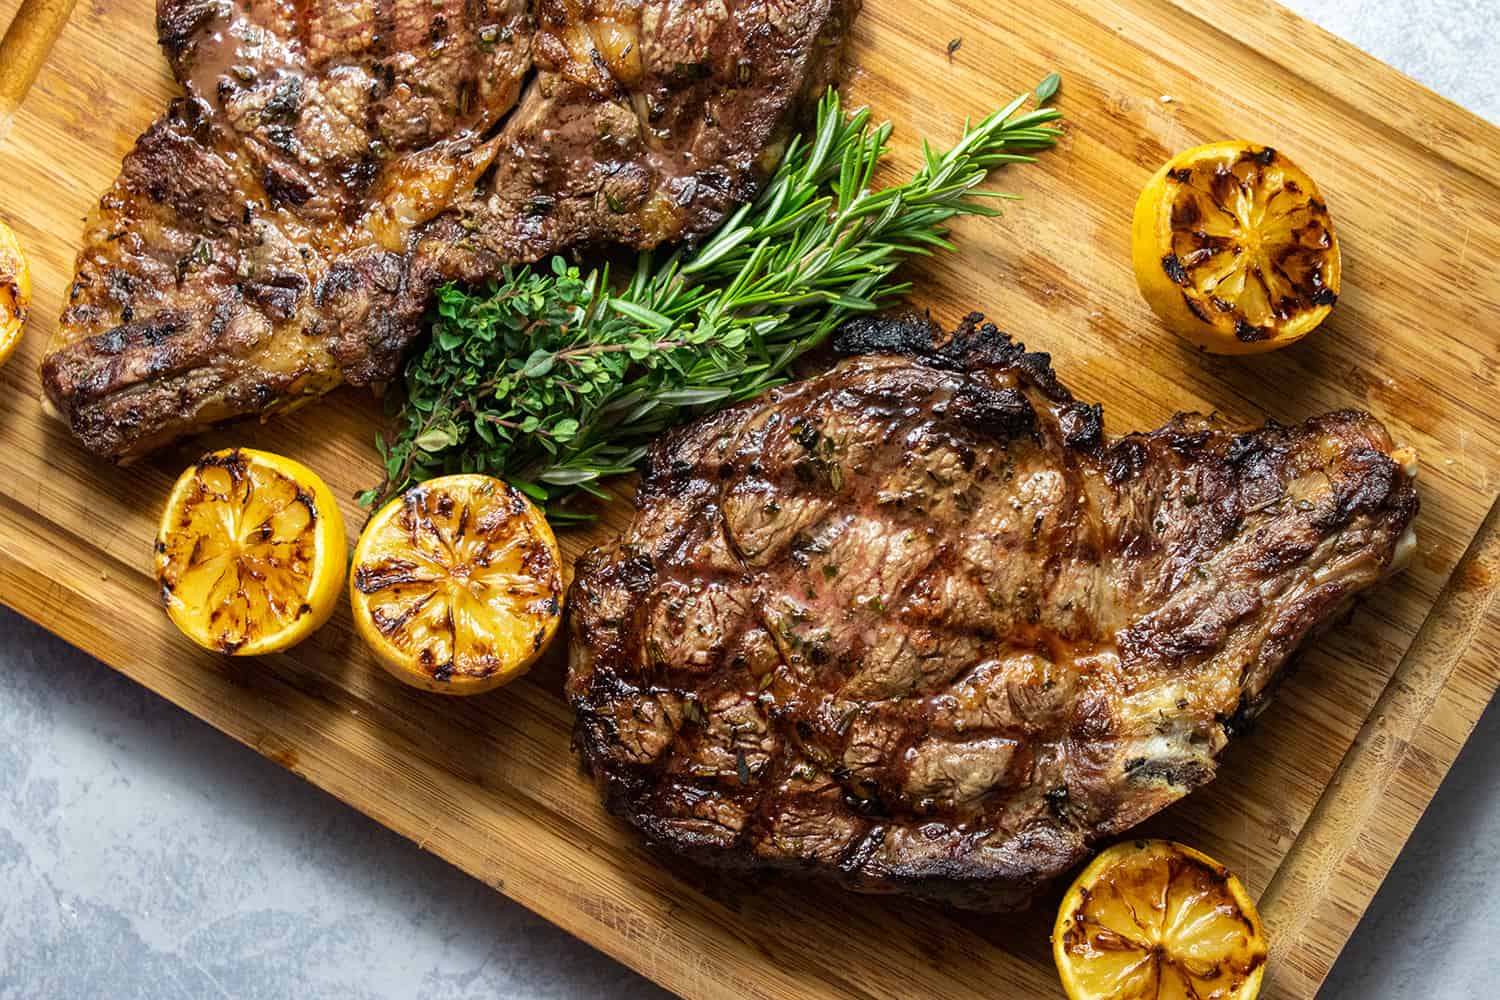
<point x="918" y="624"/>
<point x="281" y="228"/>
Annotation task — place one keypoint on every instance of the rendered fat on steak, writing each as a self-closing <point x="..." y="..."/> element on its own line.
<point x="282" y="227"/>
<point x="919" y="625"/>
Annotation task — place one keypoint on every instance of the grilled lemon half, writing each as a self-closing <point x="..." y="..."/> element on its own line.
<point x="250" y="553"/>
<point x="1234" y="249"/>
<point x="457" y="584"/>
<point x="1155" y="920"/>
<point x="15" y="292"/>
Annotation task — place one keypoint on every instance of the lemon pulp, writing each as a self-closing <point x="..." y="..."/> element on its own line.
<point x="1234" y="248"/>
<point x="457" y="584"/>
<point x="15" y="292"/>
<point x="1154" y="920"/>
<point x="250" y="552"/>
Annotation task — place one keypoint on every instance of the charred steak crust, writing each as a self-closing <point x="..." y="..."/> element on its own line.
<point x="639" y="144"/>
<point x="918" y="625"/>
<point x="282" y="227"/>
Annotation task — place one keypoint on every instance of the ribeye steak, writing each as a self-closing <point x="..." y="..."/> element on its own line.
<point x="918" y="624"/>
<point x="282" y="227"/>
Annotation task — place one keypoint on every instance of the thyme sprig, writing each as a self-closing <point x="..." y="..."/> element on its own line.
<point x="555" y="379"/>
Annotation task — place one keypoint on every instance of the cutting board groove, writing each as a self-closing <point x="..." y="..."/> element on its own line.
<point x="1311" y="808"/>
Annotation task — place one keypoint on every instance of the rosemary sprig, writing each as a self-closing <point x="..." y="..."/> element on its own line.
<point x="554" y="380"/>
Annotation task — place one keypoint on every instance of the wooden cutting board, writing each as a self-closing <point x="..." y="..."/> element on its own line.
<point x="1311" y="808"/>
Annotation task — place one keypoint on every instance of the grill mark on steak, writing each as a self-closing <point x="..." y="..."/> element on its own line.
<point x="333" y="162"/>
<point x="916" y="624"/>
<point x="680" y="107"/>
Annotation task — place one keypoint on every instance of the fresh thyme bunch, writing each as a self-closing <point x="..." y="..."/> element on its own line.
<point x="554" y="381"/>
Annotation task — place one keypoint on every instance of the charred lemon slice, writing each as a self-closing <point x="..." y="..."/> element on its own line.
<point x="1234" y="249"/>
<point x="1151" y="919"/>
<point x="15" y="292"/>
<point x="250" y="554"/>
<point x="457" y="584"/>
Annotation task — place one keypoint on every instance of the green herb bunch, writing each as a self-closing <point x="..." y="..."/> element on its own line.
<point x="554" y="379"/>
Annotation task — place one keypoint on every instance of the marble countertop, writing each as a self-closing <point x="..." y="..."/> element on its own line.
<point x="143" y="854"/>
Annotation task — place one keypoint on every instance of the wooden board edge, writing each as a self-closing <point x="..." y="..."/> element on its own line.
<point x="701" y="963"/>
<point x="50" y="612"/>
<point x="1324" y="61"/>
<point x="1327" y="850"/>
<point x="1392" y="755"/>
<point x="1463" y="623"/>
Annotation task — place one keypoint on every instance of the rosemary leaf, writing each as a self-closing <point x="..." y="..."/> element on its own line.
<point x="556" y="378"/>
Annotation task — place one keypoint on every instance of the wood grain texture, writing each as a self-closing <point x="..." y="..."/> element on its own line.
<point x="491" y="784"/>
<point x="24" y="47"/>
<point x="1329" y="843"/>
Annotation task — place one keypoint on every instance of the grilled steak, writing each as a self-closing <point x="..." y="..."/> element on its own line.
<point x="645" y="128"/>
<point x="919" y="625"/>
<point x="282" y="227"/>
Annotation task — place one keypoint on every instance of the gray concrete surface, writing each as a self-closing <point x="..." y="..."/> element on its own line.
<point x="143" y="855"/>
